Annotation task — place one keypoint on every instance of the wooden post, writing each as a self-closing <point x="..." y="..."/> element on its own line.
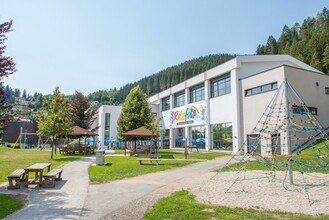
<point x="125" y="147"/>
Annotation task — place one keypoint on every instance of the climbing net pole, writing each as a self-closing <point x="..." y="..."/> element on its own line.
<point x="287" y="138"/>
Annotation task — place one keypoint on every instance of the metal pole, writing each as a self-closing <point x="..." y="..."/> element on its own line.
<point x="287" y="118"/>
<point x="20" y="137"/>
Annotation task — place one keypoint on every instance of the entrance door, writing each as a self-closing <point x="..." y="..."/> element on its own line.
<point x="276" y="144"/>
<point x="253" y="142"/>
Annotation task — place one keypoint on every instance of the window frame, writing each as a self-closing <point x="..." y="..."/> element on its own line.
<point x="216" y="82"/>
<point x="261" y="89"/>
<point x="177" y="101"/>
<point x="164" y="103"/>
<point x="326" y="90"/>
<point x="297" y="109"/>
<point x="195" y="89"/>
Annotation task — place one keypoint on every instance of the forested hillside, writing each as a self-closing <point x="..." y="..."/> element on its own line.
<point x="308" y="42"/>
<point x="163" y="79"/>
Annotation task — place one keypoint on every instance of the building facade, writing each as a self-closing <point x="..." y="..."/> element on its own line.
<point x="219" y="108"/>
<point x="106" y="123"/>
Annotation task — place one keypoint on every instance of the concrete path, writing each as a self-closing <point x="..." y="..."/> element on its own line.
<point x="74" y="198"/>
<point x="65" y="201"/>
<point x="111" y="200"/>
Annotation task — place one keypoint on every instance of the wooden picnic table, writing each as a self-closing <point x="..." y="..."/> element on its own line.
<point x="38" y="170"/>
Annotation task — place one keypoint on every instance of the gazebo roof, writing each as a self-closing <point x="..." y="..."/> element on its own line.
<point x="81" y="132"/>
<point x="139" y="132"/>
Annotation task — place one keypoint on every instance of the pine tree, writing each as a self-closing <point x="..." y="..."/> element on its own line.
<point x="24" y="95"/>
<point x="17" y="93"/>
<point x="54" y="118"/>
<point x="136" y="113"/>
<point x="7" y="67"/>
<point x="83" y="114"/>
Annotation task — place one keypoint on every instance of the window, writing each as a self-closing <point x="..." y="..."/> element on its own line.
<point x="179" y="99"/>
<point x="179" y="134"/>
<point x="303" y="110"/>
<point x="198" y="136"/>
<point x="326" y="90"/>
<point x="166" y="103"/>
<point x="107" y="126"/>
<point x="221" y="85"/>
<point x="261" y="89"/>
<point x="222" y="136"/>
<point x="165" y="139"/>
<point x="197" y="93"/>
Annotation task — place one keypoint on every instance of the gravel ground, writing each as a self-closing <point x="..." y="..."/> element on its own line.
<point x="264" y="193"/>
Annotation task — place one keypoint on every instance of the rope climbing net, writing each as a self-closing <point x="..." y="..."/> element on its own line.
<point x="287" y="138"/>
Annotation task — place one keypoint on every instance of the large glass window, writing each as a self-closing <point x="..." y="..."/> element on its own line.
<point x="261" y="89"/>
<point x="197" y="93"/>
<point x="166" y="103"/>
<point x="107" y="126"/>
<point x="221" y="85"/>
<point x="304" y="110"/>
<point x="198" y="136"/>
<point x="179" y="135"/>
<point x="222" y="136"/>
<point x="179" y="99"/>
<point x="165" y="139"/>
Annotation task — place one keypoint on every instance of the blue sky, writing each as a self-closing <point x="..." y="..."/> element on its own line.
<point x="97" y="45"/>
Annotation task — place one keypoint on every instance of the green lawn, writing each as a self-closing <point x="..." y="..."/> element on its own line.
<point x="11" y="159"/>
<point x="123" y="167"/>
<point x="306" y="160"/>
<point x="9" y="205"/>
<point x="182" y="206"/>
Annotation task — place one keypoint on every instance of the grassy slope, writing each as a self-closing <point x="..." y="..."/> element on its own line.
<point x="183" y="206"/>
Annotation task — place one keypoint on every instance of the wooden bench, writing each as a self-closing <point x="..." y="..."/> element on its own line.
<point x="149" y="159"/>
<point x="50" y="178"/>
<point x="16" y="176"/>
<point x="193" y="147"/>
<point x="148" y="155"/>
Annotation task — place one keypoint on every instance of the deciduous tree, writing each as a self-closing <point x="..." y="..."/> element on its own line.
<point x="136" y="113"/>
<point x="83" y="114"/>
<point x="7" y="67"/>
<point x="54" y="118"/>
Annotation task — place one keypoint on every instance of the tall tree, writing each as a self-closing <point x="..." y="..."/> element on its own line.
<point x="136" y="113"/>
<point x="7" y="67"/>
<point x="24" y="95"/>
<point x="83" y="114"/>
<point x="308" y="42"/>
<point x="54" y="118"/>
<point x="17" y="92"/>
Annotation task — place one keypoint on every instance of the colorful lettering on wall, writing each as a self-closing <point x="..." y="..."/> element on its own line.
<point x="192" y="114"/>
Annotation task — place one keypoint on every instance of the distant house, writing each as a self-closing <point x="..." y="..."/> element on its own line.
<point x="94" y="103"/>
<point x="22" y="101"/>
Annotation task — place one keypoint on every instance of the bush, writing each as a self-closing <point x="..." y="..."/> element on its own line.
<point x="14" y="146"/>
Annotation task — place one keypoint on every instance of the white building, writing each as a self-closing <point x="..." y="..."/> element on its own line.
<point x="222" y="105"/>
<point x="107" y="122"/>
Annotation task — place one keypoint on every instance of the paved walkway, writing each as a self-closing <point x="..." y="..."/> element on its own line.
<point x="74" y="198"/>
<point x="65" y="201"/>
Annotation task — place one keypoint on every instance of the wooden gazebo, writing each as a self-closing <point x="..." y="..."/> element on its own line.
<point x="139" y="133"/>
<point x="79" y="132"/>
